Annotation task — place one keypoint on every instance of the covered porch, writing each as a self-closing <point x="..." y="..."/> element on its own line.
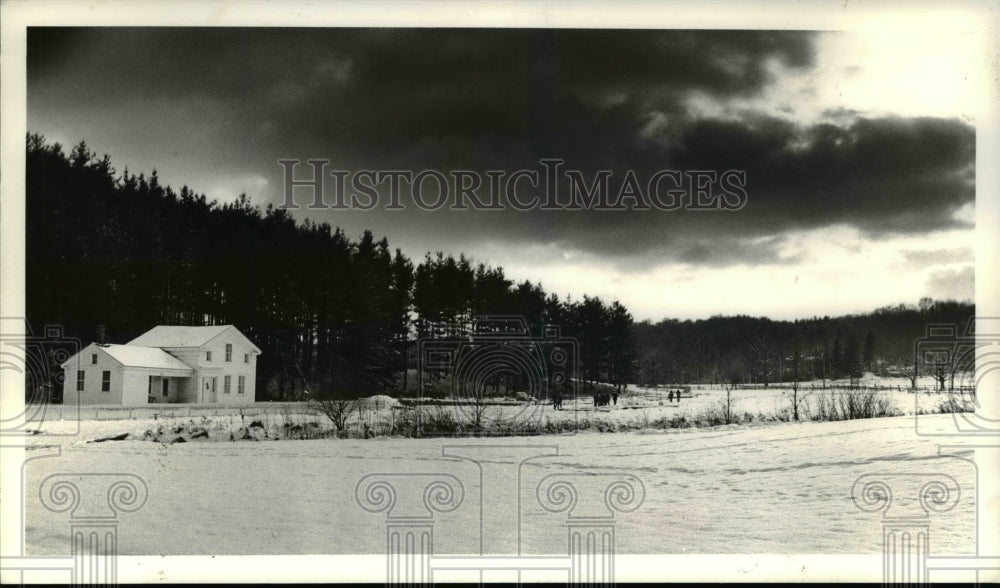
<point x="163" y="389"/>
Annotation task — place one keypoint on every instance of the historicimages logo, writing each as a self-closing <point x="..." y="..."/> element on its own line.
<point x="548" y="187"/>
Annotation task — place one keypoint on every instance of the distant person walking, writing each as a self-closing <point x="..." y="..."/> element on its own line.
<point x="678" y="397"/>
<point x="670" y="396"/>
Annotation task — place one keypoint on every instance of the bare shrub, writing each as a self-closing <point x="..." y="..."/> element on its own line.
<point x="851" y="404"/>
<point x="796" y="399"/>
<point x="338" y="410"/>
<point x="713" y="416"/>
<point x="955" y="404"/>
<point x="441" y="420"/>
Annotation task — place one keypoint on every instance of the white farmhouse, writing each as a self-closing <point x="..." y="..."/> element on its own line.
<point x="205" y="365"/>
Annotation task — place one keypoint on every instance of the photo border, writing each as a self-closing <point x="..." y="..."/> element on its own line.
<point x="980" y="18"/>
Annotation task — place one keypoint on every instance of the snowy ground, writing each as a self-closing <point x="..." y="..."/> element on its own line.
<point x="766" y="487"/>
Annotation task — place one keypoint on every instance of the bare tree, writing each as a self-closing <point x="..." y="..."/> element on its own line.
<point x="795" y="398"/>
<point x="727" y="405"/>
<point x="732" y="380"/>
<point x="762" y="353"/>
<point x="941" y="375"/>
<point x="335" y="395"/>
<point x="476" y="403"/>
<point x="912" y="372"/>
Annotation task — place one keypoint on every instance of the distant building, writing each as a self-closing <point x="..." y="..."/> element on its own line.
<point x="205" y="365"/>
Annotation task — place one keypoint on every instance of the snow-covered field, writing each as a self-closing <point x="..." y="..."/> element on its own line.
<point x="765" y="487"/>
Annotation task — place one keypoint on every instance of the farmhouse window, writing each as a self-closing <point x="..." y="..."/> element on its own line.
<point x="229" y="352"/>
<point x="240" y="385"/>
<point x="166" y="387"/>
<point x="227" y="384"/>
<point x="208" y="356"/>
<point x="93" y="359"/>
<point x="106" y="381"/>
<point x="246" y="358"/>
<point x="79" y="380"/>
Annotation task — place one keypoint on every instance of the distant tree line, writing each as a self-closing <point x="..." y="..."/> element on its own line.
<point x="743" y="349"/>
<point x="330" y="314"/>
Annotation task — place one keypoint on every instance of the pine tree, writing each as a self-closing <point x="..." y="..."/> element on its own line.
<point x="869" y="352"/>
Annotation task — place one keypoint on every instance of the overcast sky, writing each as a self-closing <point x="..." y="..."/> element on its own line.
<point x="858" y="148"/>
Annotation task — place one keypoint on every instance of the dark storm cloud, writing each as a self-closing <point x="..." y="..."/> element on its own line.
<point x="233" y="101"/>
<point x="880" y="175"/>
<point x="385" y="90"/>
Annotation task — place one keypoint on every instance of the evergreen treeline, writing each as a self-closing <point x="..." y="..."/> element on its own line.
<point x="330" y="314"/>
<point x="743" y="349"/>
<point x="340" y="316"/>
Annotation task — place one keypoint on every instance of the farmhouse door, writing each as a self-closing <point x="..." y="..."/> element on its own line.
<point x="208" y="390"/>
